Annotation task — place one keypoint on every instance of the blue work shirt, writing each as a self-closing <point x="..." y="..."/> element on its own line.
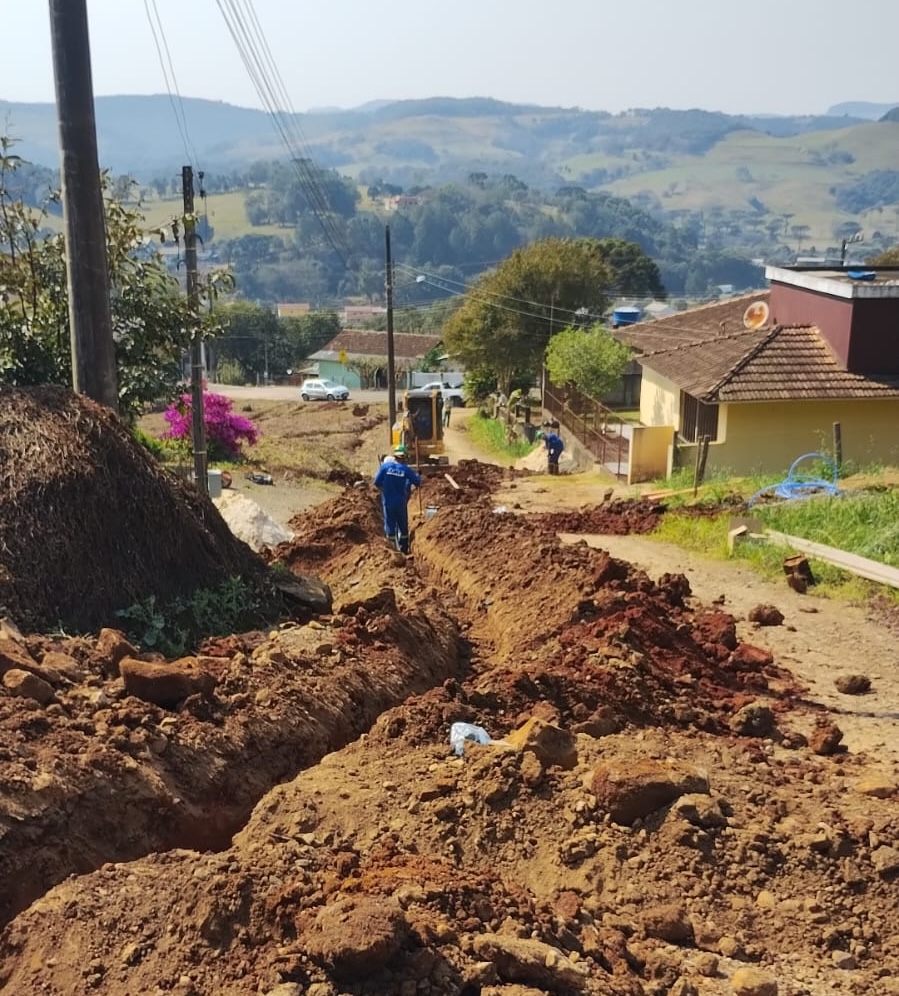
<point x="394" y="479"/>
<point x="554" y="444"/>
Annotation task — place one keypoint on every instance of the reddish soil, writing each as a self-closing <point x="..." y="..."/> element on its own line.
<point x="660" y="822"/>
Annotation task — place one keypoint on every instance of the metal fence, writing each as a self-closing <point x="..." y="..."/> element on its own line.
<point x="599" y="429"/>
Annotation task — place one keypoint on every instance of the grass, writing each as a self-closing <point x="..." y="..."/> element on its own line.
<point x="863" y="522"/>
<point x="489" y="435"/>
<point x="227" y="215"/>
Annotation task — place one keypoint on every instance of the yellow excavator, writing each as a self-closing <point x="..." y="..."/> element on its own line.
<point x="419" y="427"/>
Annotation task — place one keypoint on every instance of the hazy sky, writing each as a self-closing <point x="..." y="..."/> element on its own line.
<point x="780" y="56"/>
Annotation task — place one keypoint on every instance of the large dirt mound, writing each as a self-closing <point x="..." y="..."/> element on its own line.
<point x="90" y="523"/>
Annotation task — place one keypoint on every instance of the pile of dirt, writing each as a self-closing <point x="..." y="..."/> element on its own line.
<point x="655" y="818"/>
<point x="91" y="524"/>
<point x="622" y="517"/>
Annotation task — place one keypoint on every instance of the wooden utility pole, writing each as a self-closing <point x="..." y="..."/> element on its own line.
<point x="198" y="415"/>
<point x="391" y="364"/>
<point x="87" y="274"/>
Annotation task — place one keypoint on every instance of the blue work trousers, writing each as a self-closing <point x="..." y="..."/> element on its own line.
<point x="396" y="524"/>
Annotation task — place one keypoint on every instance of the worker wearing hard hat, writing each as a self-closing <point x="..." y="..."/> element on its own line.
<point x="395" y="480"/>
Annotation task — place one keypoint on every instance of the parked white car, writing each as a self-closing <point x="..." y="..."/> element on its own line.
<point x="451" y="395"/>
<point x="323" y="390"/>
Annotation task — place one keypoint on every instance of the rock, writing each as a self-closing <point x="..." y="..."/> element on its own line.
<point x="683" y="987"/>
<point x="600" y="724"/>
<point x="885" y="860"/>
<point x="853" y="684"/>
<point x="718" y="628"/>
<point x="25" y="685"/>
<point x="113" y="648"/>
<point x="355" y="938"/>
<point x="766" y="615"/>
<point x="730" y="947"/>
<point x="165" y="684"/>
<point x="747" y="657"/>
<point x="877" y="786"/>
<point x="552" y="745"/>
<point x="707" y="965"/>
<point x="700" y="810"/>
<point x="288" y="989"/>
<point x="63" y="664"/>
<point x="753" y="720"/>
<point x="843" y="960"/>
<point x="668" y="923"/>
<point x="629" y="792"/>
<point x="308" y="592"/>
<point x="825" y="739"/>
<point x="753" y="982"/>
<point x="531" y="962"/>
<point x="14" y="655"/>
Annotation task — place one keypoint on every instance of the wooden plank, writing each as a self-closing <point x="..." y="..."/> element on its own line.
<point x="456" y="486"/>
<point x="861" y="566"/>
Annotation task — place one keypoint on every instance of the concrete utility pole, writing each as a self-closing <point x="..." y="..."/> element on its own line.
<point x="198" y="415"/>
<point x="391" y="365"/>
<point x="90" y="322"/>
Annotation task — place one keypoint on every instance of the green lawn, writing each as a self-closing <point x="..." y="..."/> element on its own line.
<point x="227" y="215"/>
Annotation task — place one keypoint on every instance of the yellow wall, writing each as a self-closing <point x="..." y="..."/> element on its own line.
<point x="768" y="437"/>
<point x="649" y="450"/>
<point x="659" y="400"/>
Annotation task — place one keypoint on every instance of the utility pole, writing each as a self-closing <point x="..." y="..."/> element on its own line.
<point x="87" y="273"/>
<point x="391" y="366"/>
<point x="198" y="418"/>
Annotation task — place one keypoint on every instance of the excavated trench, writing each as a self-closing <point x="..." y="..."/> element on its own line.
<point x="390" y="868"/>
<point x="100" y="777"/>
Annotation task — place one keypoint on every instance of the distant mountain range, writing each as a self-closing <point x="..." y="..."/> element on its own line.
<point x="441" y="135"/>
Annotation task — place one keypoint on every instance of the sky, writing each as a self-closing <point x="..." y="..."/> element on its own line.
<point x="763" y="56"/>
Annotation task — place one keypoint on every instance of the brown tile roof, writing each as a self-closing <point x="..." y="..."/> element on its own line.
<point x="358" y="343"/>
<point x="708" y="321"/>
<point x="783" y="363"/>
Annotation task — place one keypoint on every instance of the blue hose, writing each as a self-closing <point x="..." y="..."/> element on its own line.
<point x="797" y="485"/>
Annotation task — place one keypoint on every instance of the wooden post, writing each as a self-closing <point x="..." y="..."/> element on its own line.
<point x="838" y="445"/>
<point x="702" y="452"/>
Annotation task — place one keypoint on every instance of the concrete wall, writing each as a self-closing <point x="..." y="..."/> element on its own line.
<point x="332" y="370"/>
<point x="649" y="453"/>
<point x="767" y="438"/>
<point x="659" y="400"/>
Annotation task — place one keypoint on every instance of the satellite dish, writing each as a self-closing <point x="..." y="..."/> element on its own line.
<point x="756" y="315"/>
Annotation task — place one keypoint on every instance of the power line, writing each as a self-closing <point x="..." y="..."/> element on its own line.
<point x="171" y="80"/>
<point x="255" y="53"/>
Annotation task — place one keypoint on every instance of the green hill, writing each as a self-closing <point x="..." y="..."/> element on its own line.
<point x="672" y="162"/>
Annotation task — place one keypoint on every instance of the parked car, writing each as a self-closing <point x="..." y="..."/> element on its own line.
<point x="451" y="395"/>
<point x="323" y="390"/>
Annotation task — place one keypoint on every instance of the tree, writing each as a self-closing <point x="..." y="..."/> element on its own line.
<point x="590" y="359"/>
<point x="889" y="257"/>
<point x="150" y="318"/>
<point x="507" y="317"/>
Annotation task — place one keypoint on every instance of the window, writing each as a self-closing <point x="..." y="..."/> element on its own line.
<point x="697" y="419"/>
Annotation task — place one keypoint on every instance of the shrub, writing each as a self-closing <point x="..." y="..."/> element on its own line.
<point x="226" y="432"/>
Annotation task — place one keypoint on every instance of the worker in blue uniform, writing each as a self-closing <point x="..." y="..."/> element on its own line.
<point x="395" y="480"/>
<point x="554" y="449"/>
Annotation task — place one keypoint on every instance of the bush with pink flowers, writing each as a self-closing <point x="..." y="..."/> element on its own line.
<point x="226" y="432"/>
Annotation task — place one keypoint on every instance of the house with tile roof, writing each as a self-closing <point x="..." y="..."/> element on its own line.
<point x="765" y="376"/>
<point x="358" y="357"/>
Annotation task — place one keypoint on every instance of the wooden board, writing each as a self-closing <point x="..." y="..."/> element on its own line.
<point x="861" y="566"/>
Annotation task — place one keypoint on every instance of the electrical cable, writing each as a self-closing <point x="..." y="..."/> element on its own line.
<point x="171" y="80"/>
<point x="249" y="38"/>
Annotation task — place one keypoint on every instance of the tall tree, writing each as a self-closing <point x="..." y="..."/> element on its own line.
<point x="507" y="317"/>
